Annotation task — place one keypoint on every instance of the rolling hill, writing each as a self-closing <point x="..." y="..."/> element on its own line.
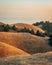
<point x="1" y="23"/>
<point x="8" y="50"/>
<point x="28" y="26"/>
<point x="36" y="59"/>
<point x="27" y="42"/>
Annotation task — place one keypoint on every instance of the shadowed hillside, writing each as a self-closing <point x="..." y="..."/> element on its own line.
<point x="8" y="50"/>
<point x="36" y="59"/>
<point x="27" y="42"/>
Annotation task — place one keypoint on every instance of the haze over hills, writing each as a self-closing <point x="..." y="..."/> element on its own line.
<point x="26" y="32"/>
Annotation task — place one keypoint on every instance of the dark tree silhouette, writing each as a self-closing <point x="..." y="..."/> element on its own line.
<point x="32" y="32"/>
<point x="25" y="30"/>
<point x="14" y="28"/>
<point x="50" y="40"/>
<point x="45" y="25"/>
<point x="38" y="33"/>
<point x="6" y="28"/>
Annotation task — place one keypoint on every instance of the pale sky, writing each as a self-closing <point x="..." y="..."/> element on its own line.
<point x="25" y="11"/>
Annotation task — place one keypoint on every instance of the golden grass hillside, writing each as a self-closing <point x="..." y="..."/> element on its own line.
<point x="27" y="42"/>
<point x="36" y="59"/>
<point x="8" y="50"/>
<point x="28" y="26"/>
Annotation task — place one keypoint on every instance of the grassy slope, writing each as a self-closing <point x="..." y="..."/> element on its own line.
<point x="8" y="50"/>
<point x="28" y="26"/>
<point x="36" y="59"/>
<point x="27" y="42"/>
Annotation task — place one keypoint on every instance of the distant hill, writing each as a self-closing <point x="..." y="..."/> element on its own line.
<point x="27" y="42"/>
<point x="8" y="50"/>
<point x="24" y="28"/>
<point x="1" y="23"/>
<point x="28" y="26"/>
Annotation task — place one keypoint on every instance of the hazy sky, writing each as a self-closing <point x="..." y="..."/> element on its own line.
<point x="25" y="11"/>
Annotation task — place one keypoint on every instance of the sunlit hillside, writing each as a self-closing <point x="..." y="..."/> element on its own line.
<point x="8" y="50"/>
<point x="27" y="42"/>
<point x="28" y="26"/>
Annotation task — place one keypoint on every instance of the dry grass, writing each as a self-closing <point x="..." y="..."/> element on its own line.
<point x="28" y="26"/>
<point x="36" y="59"/>
<point x="8" y="50"/>
<point x="27" y="42"/>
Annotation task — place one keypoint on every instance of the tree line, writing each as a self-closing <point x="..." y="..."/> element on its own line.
<point x="45" y="25"/>
<point x="7" y="28"/>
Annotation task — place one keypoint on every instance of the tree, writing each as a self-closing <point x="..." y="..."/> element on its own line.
<point x="2" y="28"/>
<point x="25" y="30"/>
<point x="50" y="40"/>
<point x="32" y="32"/>
<point x="6" y="28"/>
<point x="38" y="33"/>
<point x="14" y="27"/>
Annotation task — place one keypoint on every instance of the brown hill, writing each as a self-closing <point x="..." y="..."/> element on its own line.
<point x="36" y="59"/>
<point x="28" y="26"/>
<point x="27" y="42"/>
<point x="1" y="23"/>
<point x="8" y="50"/>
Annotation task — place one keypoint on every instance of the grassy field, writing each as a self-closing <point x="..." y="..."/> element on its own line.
<point x="8" y="50"/>
<point x="26" y="42"/>
<point x="36" y="59"/>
